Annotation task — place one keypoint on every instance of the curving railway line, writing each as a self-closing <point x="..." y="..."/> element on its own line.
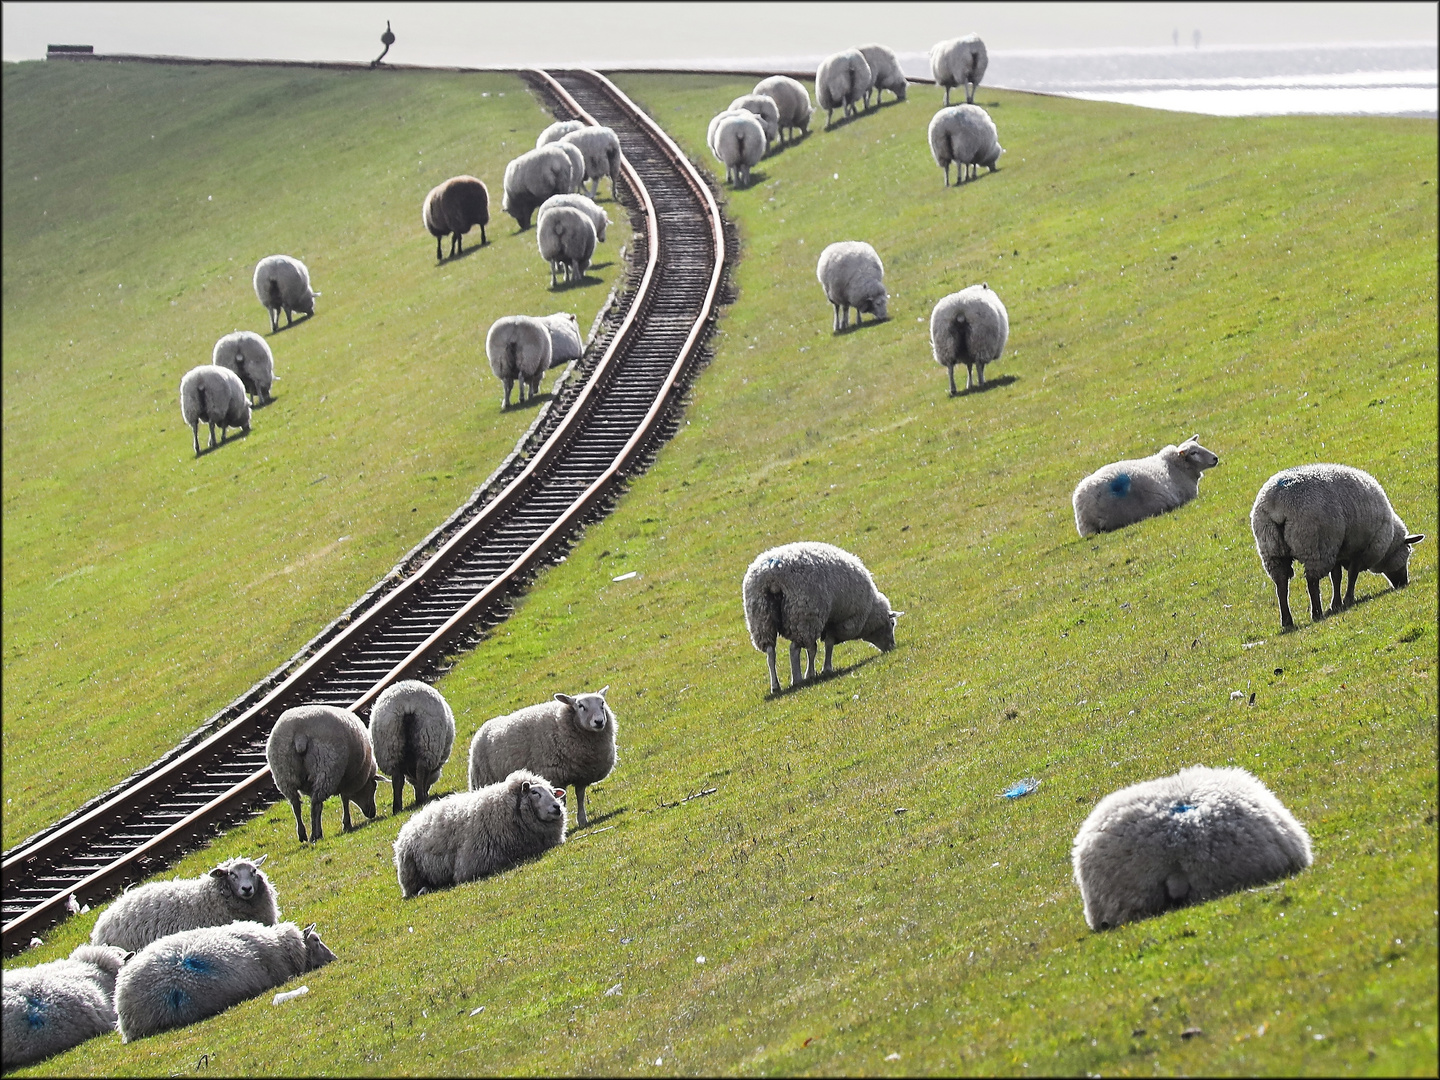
<point x="601" y="429"/>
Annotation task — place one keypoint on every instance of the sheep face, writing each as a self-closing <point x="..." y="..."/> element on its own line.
<point x="241" y="876"/>
<point x="1196" y="456"/>
<point x="874" y="304"/>
<point x="1396" y="566"/>
<point x="307" y="305"/>
<point x="589" y="711"/>
<point x="317" y="953"/>
<point x="365" y="797"/>
<point x="883" y="637"/>
<point x="545" y="803"/>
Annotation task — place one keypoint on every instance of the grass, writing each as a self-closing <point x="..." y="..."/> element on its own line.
<point x="855" y="888"/>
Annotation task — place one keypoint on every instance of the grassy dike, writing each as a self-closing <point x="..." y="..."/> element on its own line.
<point x="853" y="884"/>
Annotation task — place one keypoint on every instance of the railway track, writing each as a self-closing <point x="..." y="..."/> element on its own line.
<point x="603" y="427"/>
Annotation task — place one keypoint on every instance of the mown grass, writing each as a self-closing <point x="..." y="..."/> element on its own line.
<point x="854" y="885"/>
<point x="145" y="588"/>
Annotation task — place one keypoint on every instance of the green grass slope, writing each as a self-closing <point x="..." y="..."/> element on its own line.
<point x="144" y="589"/>
<point x="852" y="897"/>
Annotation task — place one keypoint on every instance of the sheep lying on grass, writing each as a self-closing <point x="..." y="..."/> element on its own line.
<point x="1180" y="840"/>
<point x="235" y="890"/>
<point x="1331" y="518"/>
<point x="841" y="80"/>
<point x="283" y="284"/>
<point x="565" y="341"/>
<point x="566" y="239"/>
<point x="519" y="350"/>
<point x="811" y="592"/>
<point x="322" y="751"/>
<point x="186" y="977"/>
<point x="570" y="741"/>
<point x="212" y="395"/>
<point x="248" y="355"/>
<point x="412" y="731"/>
<point x="464" y="837"/>
<point x="453" y="208"/>
<point x="966" y="136"/>
<point x="1128" y="491"/>
<point x="52" y="1007"/>
<point x="959" y="62"/>
<point x="968" y="327"/>
<point x="765" y="110"/>
<point x="533" y="177"/>
<point x="601" y="149"/>
<point x="737" y="139"/>
<point x="885" y="73"/>
<point x="852" y="275"/>
<point x="792" y="102"/>
<point x="586" y="205"/>
<point x="557" y="131"/>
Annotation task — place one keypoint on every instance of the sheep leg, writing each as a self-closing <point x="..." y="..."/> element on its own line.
<point x="947" y="174"/>
<point x="835" y="318"/>
<point x="1350" y="591"/>
<point x="345" y="822"/>
<point x="212" y="434"/>
<point x="195" y="434"/>
<point x="770" y="662"/>
<point x="483" y="241"/>
<point x="397" y="784"/>
<point x="947" y="97"/>
<point x="317" y="804"/>
<point x="275" y="315"/>
<point x="1280" y="573"/>
<point x="794" y="664"/>
<point x="951" y="369"/>
<point x="438" y="257"/>
<point x="829" y="648"/>
<point x="969" y="377"/>
<point x="980" y="365"/>
<point x="1317" y="610"/>
<point x="580" y="805"/>
<point x="506" y="403"/>
<point x="1335" y="589"/>
<point x="457" y="245"/>
<point x="299" y="820"/>
<point x="810" y="662"/>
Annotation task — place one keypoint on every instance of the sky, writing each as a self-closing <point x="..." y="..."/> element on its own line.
<point x="602" y="34"/>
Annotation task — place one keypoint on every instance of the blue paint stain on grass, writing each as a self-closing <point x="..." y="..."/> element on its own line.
<point x="1120" y="486"/>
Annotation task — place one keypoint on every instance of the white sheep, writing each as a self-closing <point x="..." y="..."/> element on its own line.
<point x="283" y="284"/>
<point x="1330" y="517"/>
<point x="840" y="81"/>
<point x="214" y="395"/>
<point x="1183" y="839"/>
<point x="737" y="139"/>
<point x="236" y="889"/>
<point x="453" y="208"/>
<point x="565" y="341"/>
<point x="570" y="741"/>
<point x="965" y="135"/>
<point x="519" y="350"/>
<point x="469" y="835"/>
<point x="809" y="592"/>
<point x="412" y="731"/>
<point x="183" y="978"/>
<point x="52" y="1007"/>
<point x="566" y="239"/>
<point x="577" y="163"/>
<point x="1128" y="491"/>
<point x="601" y="149"/>
<point x="959" y="62"/>
<point x="968" y="327"/>
<point x="792" y="102"/>
<point x="321" y="751"/>
<point x="557" y="131"/>
<point x="765" y="110"/>
<point x="852" y="275"/>
<point x="533" y="177"/>
<point x="248" y="355"/>
<point x="585" y="205"/>
<point x="885" y="73"/>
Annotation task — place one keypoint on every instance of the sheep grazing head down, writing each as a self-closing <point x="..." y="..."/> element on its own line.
<point x="881" y="630"/>
<point x="365" y="797"/>
<point x="241" y="876"/>
<point x="547" y="804"/>
<point x="589" y="710"/>
<point x="874" y="304"/>
<point x="1396" y="566"/>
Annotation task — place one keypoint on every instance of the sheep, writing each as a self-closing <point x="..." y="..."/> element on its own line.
<point x="570" y="741"/>
<point x="1182" y="839"/>
<point x="1330" y="517"/>
<point x="807" y="591"/>
<point x="965" y="135"/>
<point x="519" y="350"/>
<point x="214" y="395"/>
<point x="885" y="73"/>
<point x="840" y="81"/>
<point x="852" y="275"/>
<point x="320" y="751"/>
<point x="792" y="101"/>
<point x="585" y="205"/>
<point x="248" y="355"/>
<point x="532" y="178"/>
<point x="455" y="207"/>
<point x="52" y="1007"/>
<point x="566" y="239"/>
<point x="184" y="978"/>
<point x="737" y="141"/>
<point x="412" y="731"/>
<point x="284" y="283"/>
<point x="765" y="109"/>
<point x="959" y="62"/>
<point x="600" y="147"/>
<point x="235" y="890"/>
<point x="557" y="131"/>
<point x="576" y="157"/>
<point x="470" y="835"/>
<point x="1125" y="492"/>
<point x="968" y="327"/>
<point x="565" y="341"/>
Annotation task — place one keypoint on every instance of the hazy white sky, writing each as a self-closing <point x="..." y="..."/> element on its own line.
<point x="605" y="33"/>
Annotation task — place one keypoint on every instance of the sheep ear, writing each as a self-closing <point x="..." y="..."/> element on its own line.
<point x="1413" y="540"/>
<point x="603" y="691"/>
<point x="566" y="698"/>
<point x="260" y="861"/>
<point x="309" y="929"/>
<point x="560" y="793"/>
<point x="525" y="786"/>
<point x="896" y="614"/>
<point x="218" y="872"/>
<point x="127" y="958"/>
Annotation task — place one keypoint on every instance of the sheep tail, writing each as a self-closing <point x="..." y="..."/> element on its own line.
<point x="204" y="413"/>
<point x="302" y="743"/>
<point x="275" y="300"/>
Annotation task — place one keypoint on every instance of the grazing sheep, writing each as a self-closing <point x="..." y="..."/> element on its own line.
<point x="533" y="177"/>
<point x="570" y="741"/>
<point x="566" y="238"/>
<point x="467" y="836"/>
<point x="959" y="62"/>
<point x="519" y="350"/>
<point x="412" y="731"/>
<point x="214" y="395"/>
<point x="557" y="131"/>
<point x="455" y="207"/>
<point x="565" y="341"/>
<point x="1330" y="517"/>
<point x="186" y="977"/>
<point x="840" y="81"/>
<point x="235" y="890"/>
<point x="585" y="205"/>
<point x="283" y="283"/>
<point x="52" y="1007"/>
<point x="600" y="147"/>
<point x="320" y="751"/>
<point x="810" y="591"/>
<point x="885" y="73"/>
<point x="1180" y="840"/>
<point x="852" y="275"/>
<point x="738" y="142"/>
<point x="577" y="163"/>
<point x="1129" y="491"/>
<point x="792" y="101"/>
<point x="969" y="327"/>
<point x="965" y="135"/>
<point x="248" y="355"/>
<point x="764" y="108"/>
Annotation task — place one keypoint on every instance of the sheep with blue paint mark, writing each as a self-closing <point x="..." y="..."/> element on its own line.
<point x="236" y="889"/>
<point x="186" y="977"/>
<point x="52" y="1007"/>
<point x="1128" y="491"/>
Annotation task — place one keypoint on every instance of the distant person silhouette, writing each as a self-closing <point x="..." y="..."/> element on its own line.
<point x="387" y="39"/>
